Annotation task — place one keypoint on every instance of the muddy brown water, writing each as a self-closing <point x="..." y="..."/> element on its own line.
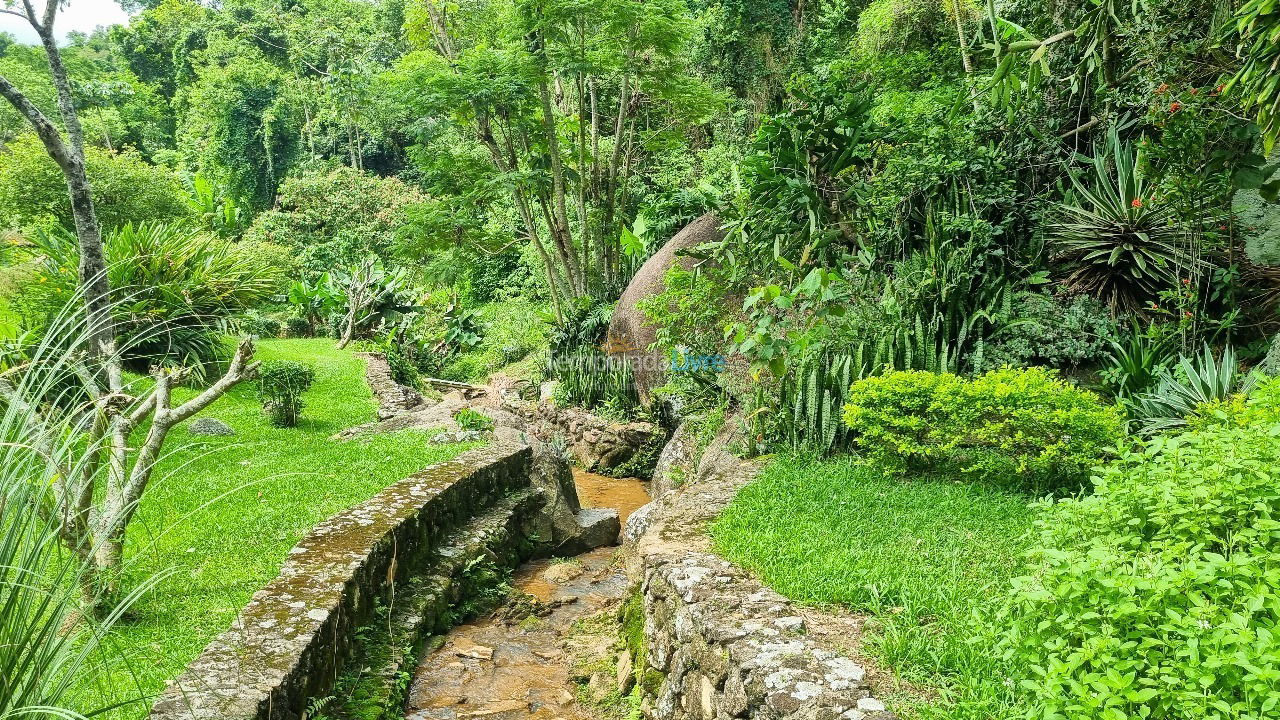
<point x="507" y="668"/>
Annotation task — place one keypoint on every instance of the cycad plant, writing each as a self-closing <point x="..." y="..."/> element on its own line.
<point x="48" y="642"/>
<point x="1121" y="244"/>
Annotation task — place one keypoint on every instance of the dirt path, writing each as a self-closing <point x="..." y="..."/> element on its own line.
<point x="518" y="664"/>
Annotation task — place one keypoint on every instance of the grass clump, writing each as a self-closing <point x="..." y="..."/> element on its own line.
<point x="923" y="557"/>
<point x="223" y="512"/>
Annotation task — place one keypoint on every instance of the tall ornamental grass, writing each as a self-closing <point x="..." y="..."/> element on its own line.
<point x="46" y="643"/>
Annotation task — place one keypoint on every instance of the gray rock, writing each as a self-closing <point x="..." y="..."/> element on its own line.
<point x="639" y="522"/>
<point x="626" y="673"/>
<point x="210" y="426"/>
<point x="629" y="325"/>
<point x="597" y="527"/>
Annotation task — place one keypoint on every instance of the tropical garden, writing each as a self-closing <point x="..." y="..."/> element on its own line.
<point x="994" y="294"/>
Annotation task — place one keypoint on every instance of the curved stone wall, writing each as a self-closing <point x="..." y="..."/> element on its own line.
<point x="289" y="643"/>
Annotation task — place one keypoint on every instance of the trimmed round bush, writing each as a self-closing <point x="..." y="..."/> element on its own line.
<point x="1022" y="427"/>
<point x="1158" y="596"/>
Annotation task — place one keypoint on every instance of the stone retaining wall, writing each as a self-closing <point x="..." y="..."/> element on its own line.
<point x="289" y="643"/>
<point x="717" y="643"/>
<point x="392" y="397"/>
<point x="725" y="647"/>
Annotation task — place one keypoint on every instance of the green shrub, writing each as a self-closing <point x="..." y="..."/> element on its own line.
<point x="281" y="384"/>
<point x="33" y="191"/>
<point x="469" y="419"/>
<point x="176" y="287"/>
<point x="336" y="216"/>
<point x="1046" y="330"/>
<point x="259" y="325"/>
<point x="1022" y="427"/>
<point x="1158" y="596"/>
<point x="297" y="326"/>
<point x="595" y="381"/>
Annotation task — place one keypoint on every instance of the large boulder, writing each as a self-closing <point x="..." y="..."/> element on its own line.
<point x="628" y="328"/>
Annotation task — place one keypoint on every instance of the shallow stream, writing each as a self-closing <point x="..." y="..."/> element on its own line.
<point x="516" y="664"/>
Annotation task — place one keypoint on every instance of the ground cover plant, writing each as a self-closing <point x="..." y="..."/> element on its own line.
<point x="224" y="511"/>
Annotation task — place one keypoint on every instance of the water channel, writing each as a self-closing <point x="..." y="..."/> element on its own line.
<point x="521" y="665"/>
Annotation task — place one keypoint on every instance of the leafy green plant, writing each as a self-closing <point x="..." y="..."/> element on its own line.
<point x="811" y="403"/>
<point x="583" y="324"/>
<point x="48" y="643"/>
<point x="469" y="419"/>
<point x="593" y="380"/>
<point x="1180" y="392"/>
<point x="462" y="329"/>
<point x="1154" y="595"/>
<point x="1024" y="427"/>
<point x="1041" y="329"/>
<point x="1122" y="244"/>
<point x="297" y="326"/>
<point x="314" y="300"/>
<point x="218" y="211"/>
<point x="1135" y="361"/>
<point x="177" y="286"/>
<point x="281" y="384"/>
<point x="1257" y="23"/>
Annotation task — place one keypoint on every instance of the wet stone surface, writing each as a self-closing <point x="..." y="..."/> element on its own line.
<point x="525" y="661"/>
<point x="503" y="668"/>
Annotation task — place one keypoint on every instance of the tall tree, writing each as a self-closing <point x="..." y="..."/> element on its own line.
<point x="563" y="95"/>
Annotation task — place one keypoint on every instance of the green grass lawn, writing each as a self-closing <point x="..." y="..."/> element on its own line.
<point x="922" y="557"/>
<point x="222" y="513"/>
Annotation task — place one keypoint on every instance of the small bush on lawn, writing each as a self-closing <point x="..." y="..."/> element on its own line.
<point x="1159" y="595"/>
<point x="297" y="326"/>
<point x="281" y="384"/>
<point x="1022" y="427"/>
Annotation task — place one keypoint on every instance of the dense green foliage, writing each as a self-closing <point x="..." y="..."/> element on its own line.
<point x="1156" y="596"/>
<point x="965" y="241"/>
<point x="1019" y="427"/>
<point x="174" y="283"/>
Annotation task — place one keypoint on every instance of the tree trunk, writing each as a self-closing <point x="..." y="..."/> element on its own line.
<point x="93" y="264"/>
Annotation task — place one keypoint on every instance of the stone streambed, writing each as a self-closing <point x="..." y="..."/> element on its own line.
<point x="524" y="661"/>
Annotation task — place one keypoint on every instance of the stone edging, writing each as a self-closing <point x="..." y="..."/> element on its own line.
<point x="392" y="397"/>
<point x="718" y="644"/>
<point x="289" y="643"/>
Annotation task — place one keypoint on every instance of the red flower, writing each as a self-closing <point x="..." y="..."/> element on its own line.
<point x="1186" y="281"/>
<point x="1137" y="203"/>
<point x="1223" y="228"/>
<point x="1220" y="88"/>
<point x="1175" y="107"/>
<point x="1187" y="314"/>
<point x="1155" y="306"/>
